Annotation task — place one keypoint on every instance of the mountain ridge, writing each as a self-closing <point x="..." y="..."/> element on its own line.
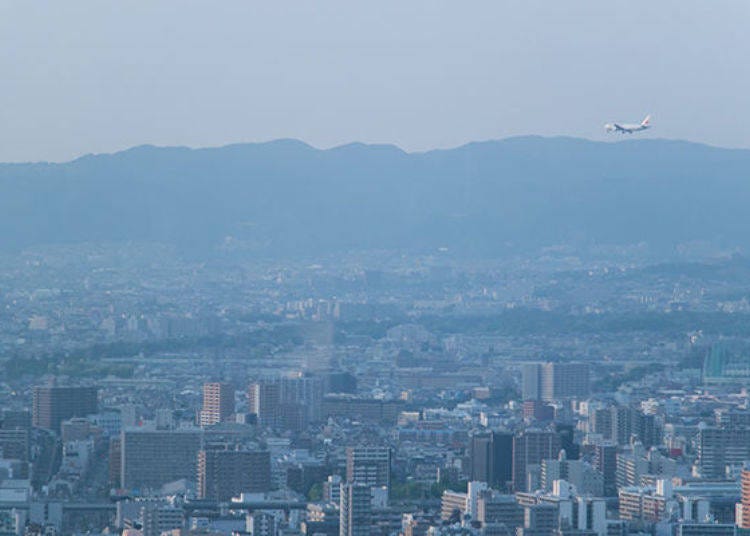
<point x="528" y="191"/>
<point x="302" y="143"/>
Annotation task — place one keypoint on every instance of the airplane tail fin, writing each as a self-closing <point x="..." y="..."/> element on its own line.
<point x="644" y="123"/>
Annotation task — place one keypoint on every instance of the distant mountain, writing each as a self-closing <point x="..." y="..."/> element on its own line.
<point x="284" y="196"/>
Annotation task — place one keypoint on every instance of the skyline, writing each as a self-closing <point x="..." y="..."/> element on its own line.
<point x="99" y="79"/>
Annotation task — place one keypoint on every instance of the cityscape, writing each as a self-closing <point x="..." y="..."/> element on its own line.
<point x="374" y="393"/>
<point x="337" y="268"/>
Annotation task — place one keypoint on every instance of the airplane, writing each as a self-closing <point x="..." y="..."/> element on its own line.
<point x="626" y="128"/>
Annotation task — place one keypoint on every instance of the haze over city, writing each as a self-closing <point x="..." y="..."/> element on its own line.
<point x="374" y="269"/>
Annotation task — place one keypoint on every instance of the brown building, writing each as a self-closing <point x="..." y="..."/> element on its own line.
<point x="555" y="381"/>
<point x="743" y="509"/>
<point x="52" y="405"/>
<point x="225" y="472"/>
<point x="218" y="403"/>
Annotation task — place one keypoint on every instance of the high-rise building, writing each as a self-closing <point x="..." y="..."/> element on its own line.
<point x="565" y="380"/>
<point x="115" y="461"/>
<point x="355" y="510"/>
<point x="287" y="402"/>
<point x="370" y="466"/>
<point x="531" y="447"/>
<point x="305" y="391"/>
<point x="720" y="447"/>
<point x="600" y="422"/>
<point x="491" y="458"/>
<point x="481" y="457"/>
<point x="622" y="424"/>
<point x="218" y="403"/>
<point x="605" y="461"/>
<point x="225" y="472"/>
<point x="531" y="384"/>
<point x="646" y="429"/>
<point x="52" y="404"/>
<point x="566" y="431"/>
<point x="151" y="458"/>
<point x="554" y="381"/>
<point x="264" y="400"/>
<point x="632" y="464"/>
<point x="743" y="508"/>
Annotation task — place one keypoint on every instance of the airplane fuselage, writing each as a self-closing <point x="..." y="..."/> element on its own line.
<point x="628" y="128"/>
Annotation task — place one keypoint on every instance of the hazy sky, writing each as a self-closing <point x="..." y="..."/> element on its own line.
<point x="99" y="76"/>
